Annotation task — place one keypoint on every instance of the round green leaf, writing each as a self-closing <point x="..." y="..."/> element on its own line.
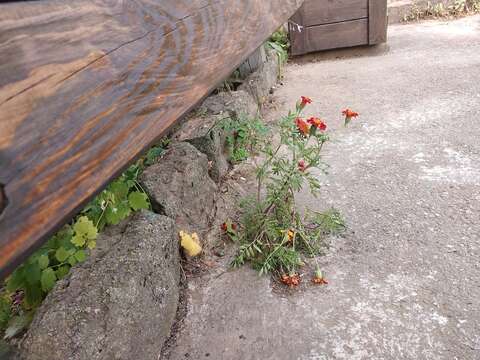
<point x="48" y="279"/>
<point x="138" y="200"/>
<point x="80" y="255"/>
<point x="43" y="261"/>
<point x="85" y="227"/>
<point x="61" y="254"/>
<point x="72" y="261"/>
<point x="62" y="271"/>
<point x="78" y="240"/>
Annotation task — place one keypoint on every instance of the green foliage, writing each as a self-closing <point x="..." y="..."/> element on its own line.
<point x="32" y="280"/>
<point x="280" y="43"/>
<point x="243" y="137"/>
<point x="155" y="152"/>
<point x="272" y="235"/>
<point x="232" y="82"/>
<point x="5" y="311"/>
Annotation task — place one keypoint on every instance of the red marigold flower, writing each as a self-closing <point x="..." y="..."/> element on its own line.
<point x="301" y="166"/>
<point x="302" y="126"/>
<point x="349" y="113"/>
<point x="318" y="123"/>
<point x="319" y="281"/>
<point x="226" y="224"/>
<point x="305" y="101"/>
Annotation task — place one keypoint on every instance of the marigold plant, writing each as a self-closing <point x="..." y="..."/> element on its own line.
<point x="273" y="236"/>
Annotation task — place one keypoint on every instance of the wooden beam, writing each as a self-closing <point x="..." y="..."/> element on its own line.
<point x="87" y="85"/>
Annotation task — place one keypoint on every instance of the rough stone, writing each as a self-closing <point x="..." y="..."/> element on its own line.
<point x="118" y="305"/>
<point x="203" y="130"/>
<point x="253" y="62"/>
<point x="260" y="83"/>
<point x="207" y="135"/>
<point x="181" y="188"/>
<point x="233" y="104"/>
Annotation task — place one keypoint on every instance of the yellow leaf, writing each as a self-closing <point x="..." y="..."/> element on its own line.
<point x="190" y="243"/>
<point x="91" y="244"/>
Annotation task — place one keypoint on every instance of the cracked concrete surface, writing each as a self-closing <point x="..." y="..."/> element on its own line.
<point x="405" y="280"/>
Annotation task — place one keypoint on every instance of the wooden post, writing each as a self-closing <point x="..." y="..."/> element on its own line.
<point x="377" y="21"/>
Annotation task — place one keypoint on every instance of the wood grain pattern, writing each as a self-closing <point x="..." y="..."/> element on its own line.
<point x="87" y="85"/>
<point x="378" y="22"/>
<point x="317" y="12"/>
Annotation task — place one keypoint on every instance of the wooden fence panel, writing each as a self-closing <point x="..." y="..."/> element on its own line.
<point x="330" y="24"/>
<point x="87" y="85"/>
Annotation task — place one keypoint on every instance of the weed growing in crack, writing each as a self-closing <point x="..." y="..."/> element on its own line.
<point x="280" y="44"/>
<point x="272" y="235"/>
<point x="243" y="136"/>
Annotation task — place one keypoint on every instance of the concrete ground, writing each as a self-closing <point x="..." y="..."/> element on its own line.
<point x="404" y="282"/>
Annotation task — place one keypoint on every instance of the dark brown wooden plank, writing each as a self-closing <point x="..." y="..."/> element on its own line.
<point x="377" y="17"/>
<point x="318" y="12"/>
<point x="296" y="31"/>
<point x="87" y="85"/>
<point x="337" y="35"/>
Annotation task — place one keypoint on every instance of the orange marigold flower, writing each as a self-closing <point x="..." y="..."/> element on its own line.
<point x="318" y="123"/>
<point x="305" y="101"/>
<point x="302" y="126"/>
<point x="319" y="281"/>
<point x="349" y="113"/>
<point x="290" y="280"/>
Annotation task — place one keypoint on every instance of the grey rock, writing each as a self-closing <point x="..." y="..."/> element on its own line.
<point x="204" y="131"/>
<point x="181" y="188"/>
<point x="230" y="104"/>
<point x="241" y="104"/>
<point x="253" y="62"/>
<point x="260" y="83"/>
<point x="119" y="305"/>
<point x="206" y="135"/>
